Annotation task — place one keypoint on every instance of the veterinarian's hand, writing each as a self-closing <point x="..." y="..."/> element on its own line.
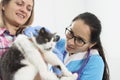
<point x="32" y="29"/>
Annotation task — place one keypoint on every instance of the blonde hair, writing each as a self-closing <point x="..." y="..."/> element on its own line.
<point x="1" y="19"/>
<point x="5" y="2"/>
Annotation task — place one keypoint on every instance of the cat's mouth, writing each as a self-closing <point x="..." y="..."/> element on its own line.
<point x="48" y="48"/>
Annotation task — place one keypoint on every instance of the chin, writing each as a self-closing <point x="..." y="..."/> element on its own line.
<point x="70" y="51"/>
<point x="21" y="22"/>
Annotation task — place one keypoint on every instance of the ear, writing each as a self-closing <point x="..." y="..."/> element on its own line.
<point x="3" y="8"/>
<point x="56" y="38"/>
<point x="92" y="44"/>
<point x="42" y="30"/>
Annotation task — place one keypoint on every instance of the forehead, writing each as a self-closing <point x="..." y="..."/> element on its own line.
<point x="81" y="29"/>
<point x="30" y="2"/>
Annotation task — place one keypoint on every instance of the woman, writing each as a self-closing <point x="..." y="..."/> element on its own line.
<point x="15" y="15"/>
<point x="84" y="52"/>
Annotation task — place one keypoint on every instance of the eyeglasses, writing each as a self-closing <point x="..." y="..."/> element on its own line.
<point x="77" y="40"/>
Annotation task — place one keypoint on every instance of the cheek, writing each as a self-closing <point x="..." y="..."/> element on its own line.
<point x="79" y="49"/>
<point x="27" y="18"/>
<point x="29" y="14"/>
<point x="84" y="48"/>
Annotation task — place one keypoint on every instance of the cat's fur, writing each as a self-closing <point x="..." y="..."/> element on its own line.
<point x="23" y="60"/>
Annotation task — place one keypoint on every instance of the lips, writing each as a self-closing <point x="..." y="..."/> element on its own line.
<point x="69" y="48"/>
<point x="20" y="15"/>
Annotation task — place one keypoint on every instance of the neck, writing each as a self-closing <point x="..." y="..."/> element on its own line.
<point x="12" y="29"/>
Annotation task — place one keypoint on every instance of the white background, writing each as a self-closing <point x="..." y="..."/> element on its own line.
<point x="57" y="14"/>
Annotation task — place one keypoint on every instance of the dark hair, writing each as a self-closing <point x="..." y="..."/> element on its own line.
<point x="95" y="28"/>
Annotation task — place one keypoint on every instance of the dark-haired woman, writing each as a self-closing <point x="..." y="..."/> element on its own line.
<point x="84" y="52"/>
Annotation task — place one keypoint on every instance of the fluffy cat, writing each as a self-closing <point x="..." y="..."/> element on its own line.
<point x="27" y="57"/>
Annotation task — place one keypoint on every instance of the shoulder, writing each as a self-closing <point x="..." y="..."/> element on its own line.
<point x="95" y="59"/>
<point x="2" y="30"/>
<point x="94" y="68"/>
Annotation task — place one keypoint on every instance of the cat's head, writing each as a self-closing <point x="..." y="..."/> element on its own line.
<point x="47" y="39"/>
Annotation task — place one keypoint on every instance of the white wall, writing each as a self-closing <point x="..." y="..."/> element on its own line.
<point x="109" y="13"/>
<point x="57" y="14"/>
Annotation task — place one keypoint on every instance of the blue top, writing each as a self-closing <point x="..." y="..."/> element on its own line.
<point x="94" y="68"/>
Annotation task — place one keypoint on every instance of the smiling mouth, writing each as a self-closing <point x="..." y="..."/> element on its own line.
<point x="21" y="16"/>
<point x="69" y="48"/>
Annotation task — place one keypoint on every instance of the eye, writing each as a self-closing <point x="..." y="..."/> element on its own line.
<point x="19" y="3"/>
<point x="46" y="40"/>
<point x="29" y="8"/>
<point x="80" y="40"/>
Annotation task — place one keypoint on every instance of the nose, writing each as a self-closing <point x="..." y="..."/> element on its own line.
<point x="23" y="9"/>
<point x="70" y="41"/>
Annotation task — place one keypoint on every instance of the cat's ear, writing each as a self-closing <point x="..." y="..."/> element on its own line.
<point x="56" y="38"/>
<point x="42" y="30"/>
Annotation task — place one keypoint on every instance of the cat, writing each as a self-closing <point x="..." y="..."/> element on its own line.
<point x="27" y="57"/>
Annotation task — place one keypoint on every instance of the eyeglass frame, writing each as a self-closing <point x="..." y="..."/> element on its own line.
<point x="75" y="37"/>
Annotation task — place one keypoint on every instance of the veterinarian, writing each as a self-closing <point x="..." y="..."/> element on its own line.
<point x="14" y="16"/>
<point x="82" y="51"/>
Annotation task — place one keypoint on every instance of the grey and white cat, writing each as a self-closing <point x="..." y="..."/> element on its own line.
<point x="28" y="57"/>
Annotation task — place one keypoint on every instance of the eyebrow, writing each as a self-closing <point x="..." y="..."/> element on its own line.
<point x="30" y="5"/>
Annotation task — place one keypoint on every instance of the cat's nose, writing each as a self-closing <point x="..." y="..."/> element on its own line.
<point x="56" y="38"/>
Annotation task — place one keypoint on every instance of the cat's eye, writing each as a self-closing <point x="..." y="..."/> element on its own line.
<point x="46" y="40"/>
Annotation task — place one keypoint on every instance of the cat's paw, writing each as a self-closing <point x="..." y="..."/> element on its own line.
<point x="65" y="72"/>
<point x="20" y="42"/>
<point x="73" y="77"/>
<point x="48" y="76"/>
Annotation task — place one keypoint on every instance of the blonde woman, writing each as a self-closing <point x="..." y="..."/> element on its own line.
<point x="14" y="14"/>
